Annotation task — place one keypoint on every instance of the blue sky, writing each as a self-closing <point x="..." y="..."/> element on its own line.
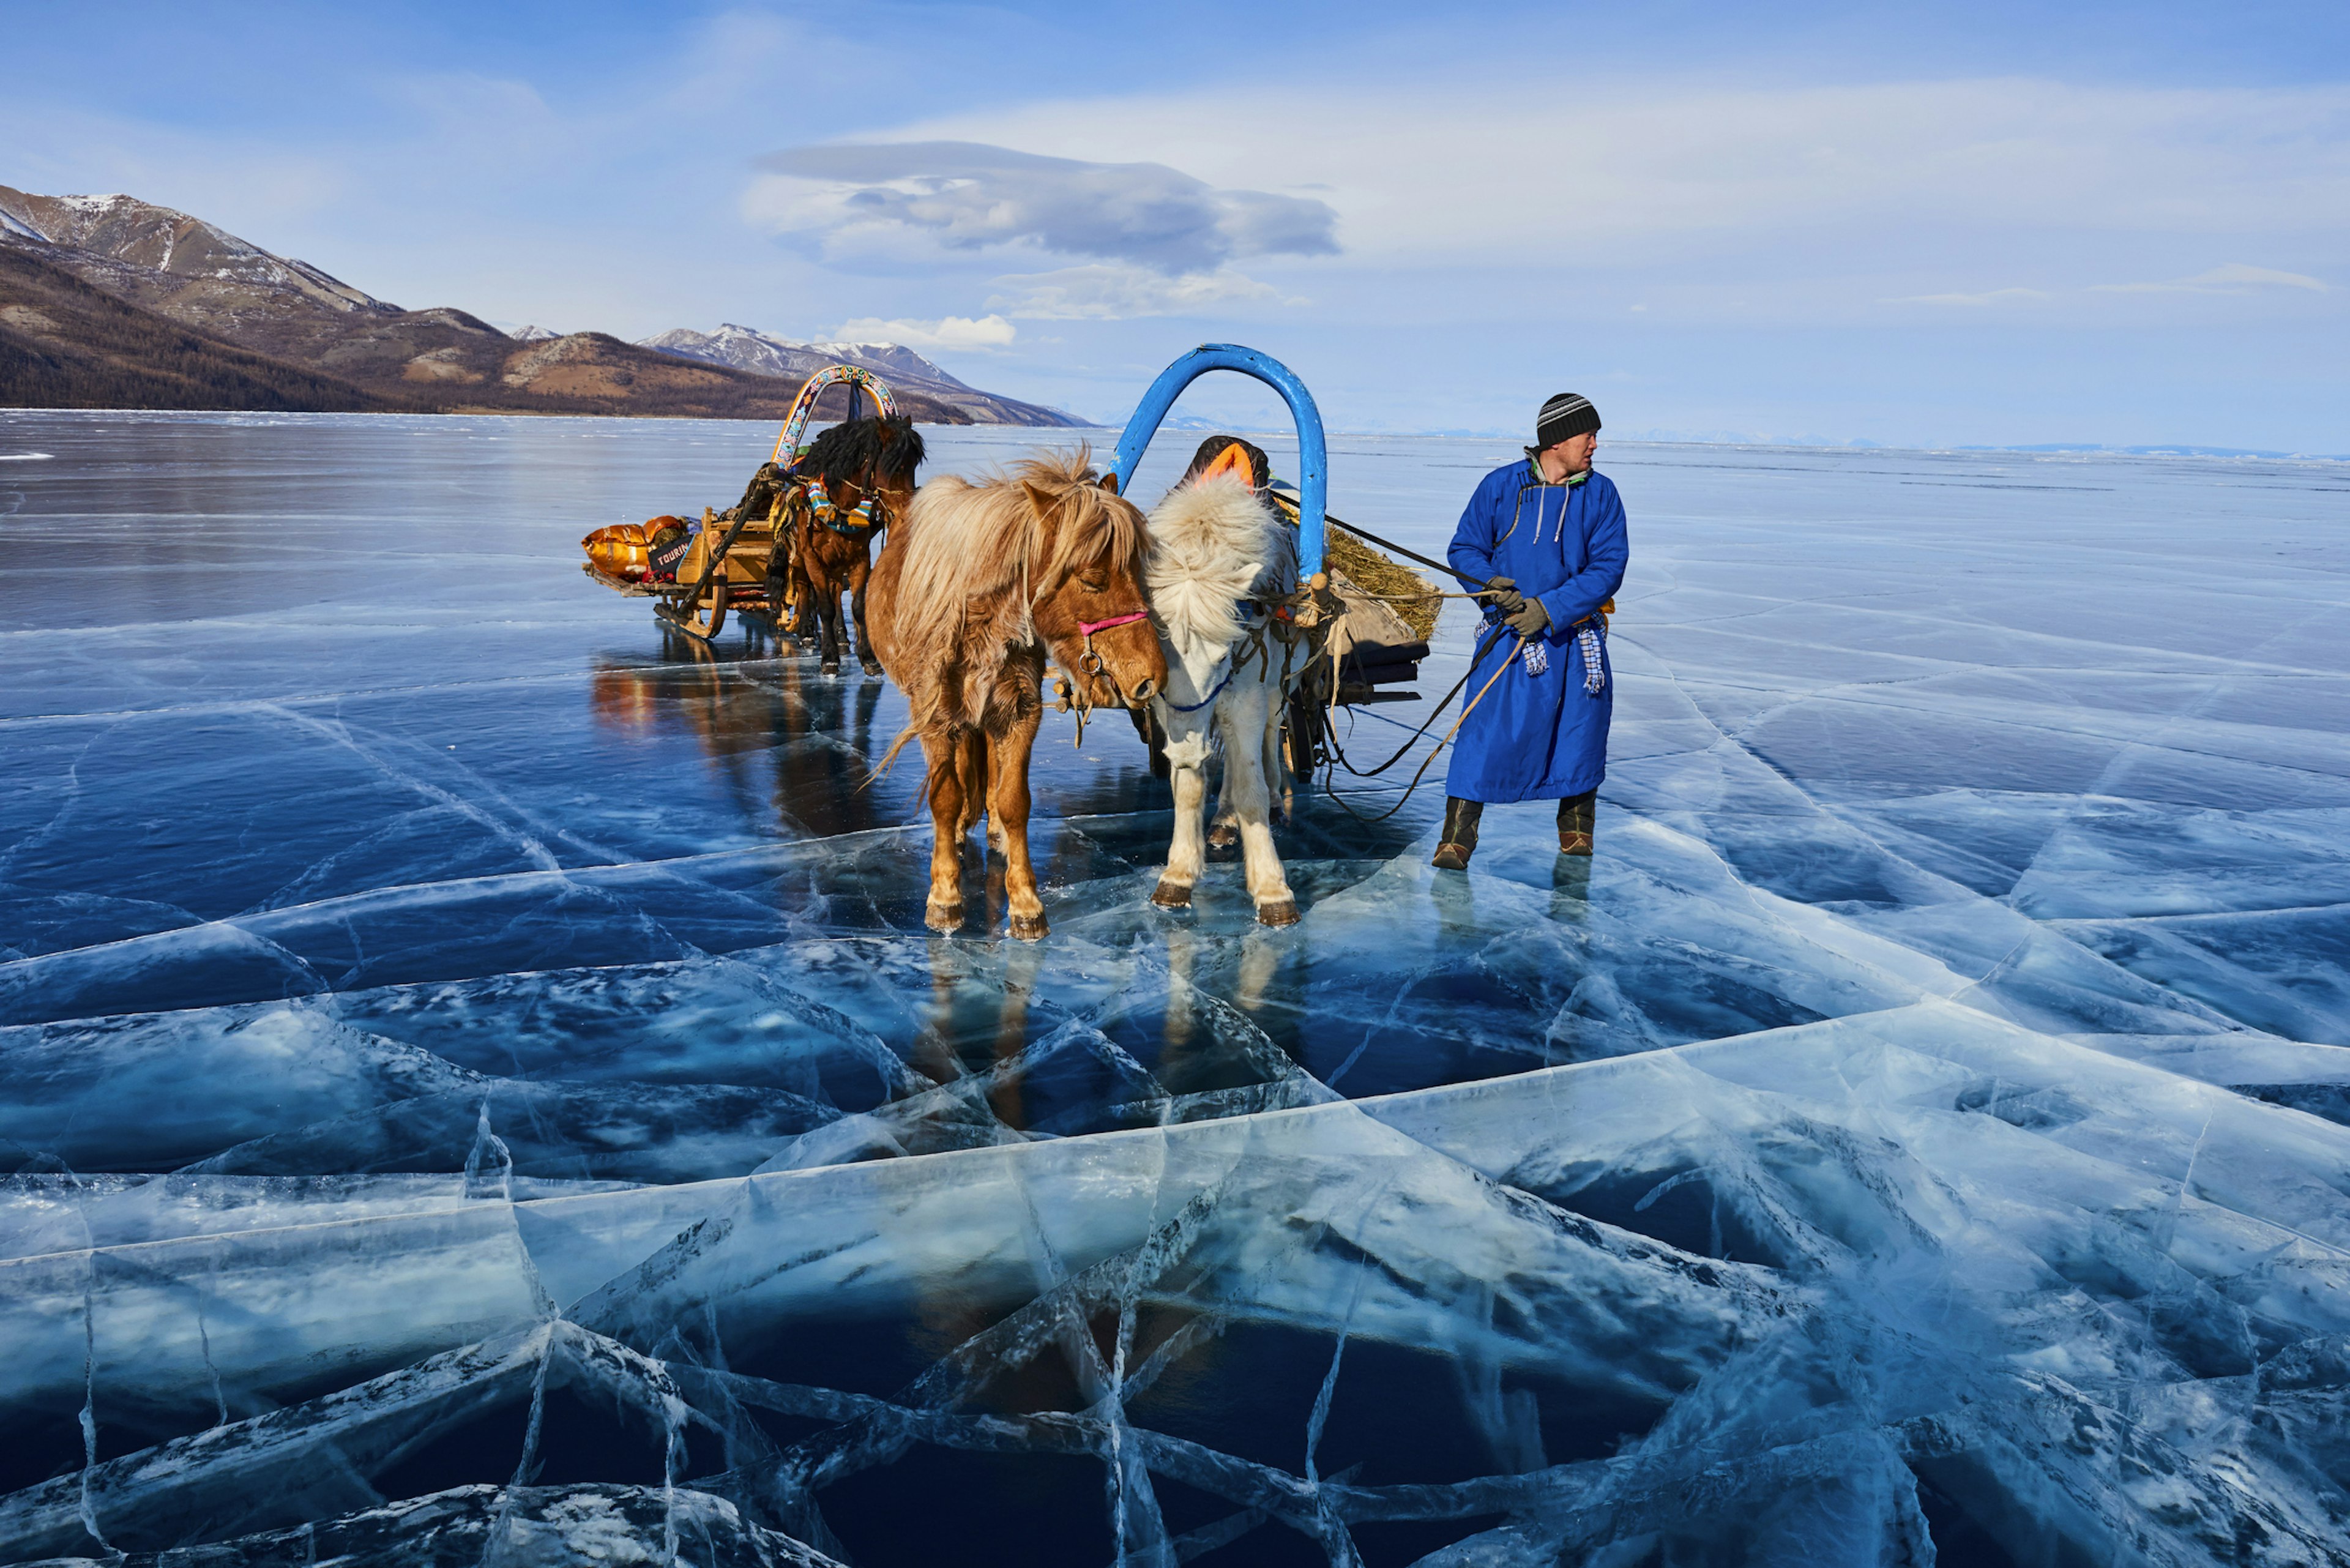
<point x="1920" y="224"/>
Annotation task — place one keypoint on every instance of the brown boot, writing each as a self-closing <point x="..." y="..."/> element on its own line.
<point x="1459" y="839"/>
<point x="1577" y="816"/>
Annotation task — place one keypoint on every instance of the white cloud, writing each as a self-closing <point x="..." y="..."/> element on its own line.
<point x="948" y="332"/>
<point x="1994" y="296"/>
<point x="2233" y="278"/>
<point x="1666" y="169"/>
<point x="1777" y="203"/>
<point x="1106" y="293"/>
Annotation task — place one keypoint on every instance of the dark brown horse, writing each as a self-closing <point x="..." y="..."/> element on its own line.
<point x="857" y="478"/>
<point x="980" y="585"/>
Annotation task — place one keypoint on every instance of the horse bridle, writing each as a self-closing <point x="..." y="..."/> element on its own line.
<point x="1089" y="663"/>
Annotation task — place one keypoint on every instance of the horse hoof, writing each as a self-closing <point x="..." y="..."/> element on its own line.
<point x="1223" y="836"/>
<point x="1280" y="912"/>
<point x="829" y="672"/>
<point x="1171" y="896"/>
<point x="943" y="918"/>
<point x="1029" y="928"/>
<point x="871" y="666"/>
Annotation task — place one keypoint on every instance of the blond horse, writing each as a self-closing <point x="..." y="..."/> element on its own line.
<point x="977" y="585"/>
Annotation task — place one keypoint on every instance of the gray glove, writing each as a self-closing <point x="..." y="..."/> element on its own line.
<point x="1509" y="601"/>
<point x="1529" y="620"/>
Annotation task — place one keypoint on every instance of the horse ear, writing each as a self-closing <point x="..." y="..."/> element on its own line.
<point x="1043" y="500"/>
<point x="1109" y="482"/>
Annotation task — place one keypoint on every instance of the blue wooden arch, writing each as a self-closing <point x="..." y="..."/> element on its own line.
<point x="1312" y="455"/>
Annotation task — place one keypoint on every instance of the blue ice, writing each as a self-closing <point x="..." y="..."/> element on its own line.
<point x="477" y="1086"/>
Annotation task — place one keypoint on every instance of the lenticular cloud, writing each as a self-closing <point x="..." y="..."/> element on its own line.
<point x="967" y="195"/>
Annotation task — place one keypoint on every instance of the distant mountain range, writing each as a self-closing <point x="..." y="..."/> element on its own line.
<point x="113" y="302"/>
<point x="748" y="349"/>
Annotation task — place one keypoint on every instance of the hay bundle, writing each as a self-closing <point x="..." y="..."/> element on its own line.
<point x="1410" y="595"/>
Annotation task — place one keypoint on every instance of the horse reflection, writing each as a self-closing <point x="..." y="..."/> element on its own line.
<point x="1189" y="1039"/>
<point x="977" y="1023"/>
<point x="790" y="748"/>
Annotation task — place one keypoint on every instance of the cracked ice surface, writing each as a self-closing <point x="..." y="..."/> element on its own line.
<point x="477" y="1088"/>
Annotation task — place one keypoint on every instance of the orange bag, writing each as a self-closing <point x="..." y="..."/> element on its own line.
<point x="621" y="551"/>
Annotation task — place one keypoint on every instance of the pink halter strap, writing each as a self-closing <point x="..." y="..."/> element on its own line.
<point x="1088" y="627"/>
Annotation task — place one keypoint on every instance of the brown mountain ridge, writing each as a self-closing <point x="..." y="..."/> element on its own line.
<point x="174" y="312"/>
<point x="64" y="344"/>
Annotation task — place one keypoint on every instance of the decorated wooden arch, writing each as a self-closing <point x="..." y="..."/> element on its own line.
<point x="795" y="423"/>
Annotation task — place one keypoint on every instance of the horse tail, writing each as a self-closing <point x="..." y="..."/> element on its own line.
<point x="966" y="758"/>
<point x="910" y="731"/>
<point x="923" y="716"/>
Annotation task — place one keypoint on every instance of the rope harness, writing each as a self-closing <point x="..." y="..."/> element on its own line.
<point x="1279" y="619"/>
<point x="855" y="521"/>
<point x="1236" y="659"/>
<point x="1230" y="670"/>
<point x="1405" y="798"/>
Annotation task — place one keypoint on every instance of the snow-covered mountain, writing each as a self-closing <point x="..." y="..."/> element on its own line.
<point x="763" y="354"/>
<point x="165" y="239"/>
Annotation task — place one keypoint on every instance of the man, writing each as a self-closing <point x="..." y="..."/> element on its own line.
<point x="1549" y="533"/>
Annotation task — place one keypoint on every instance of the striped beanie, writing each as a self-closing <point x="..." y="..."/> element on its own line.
<point x="1568" y="414"/>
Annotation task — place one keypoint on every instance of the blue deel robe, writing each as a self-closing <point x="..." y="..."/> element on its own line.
<point x="1539" y="737"/>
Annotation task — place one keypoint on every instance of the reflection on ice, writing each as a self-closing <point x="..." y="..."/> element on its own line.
<point x="490" y="1097"/>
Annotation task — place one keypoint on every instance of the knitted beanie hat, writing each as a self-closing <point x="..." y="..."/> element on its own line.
<point x="1568" y="414"/>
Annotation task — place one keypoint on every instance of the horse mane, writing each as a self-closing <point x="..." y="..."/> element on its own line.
<point x="1213" y="544"/>
<point x="976" y="555"/>
<point x="887" y="449"/>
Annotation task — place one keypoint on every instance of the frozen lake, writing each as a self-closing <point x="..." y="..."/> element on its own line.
<point x="478" y="1088"/>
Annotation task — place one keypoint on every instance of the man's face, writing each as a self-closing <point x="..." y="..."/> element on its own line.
<point x="1574" y="455"/>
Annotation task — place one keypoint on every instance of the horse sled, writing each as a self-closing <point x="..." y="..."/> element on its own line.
<point x="1219" y="621"/>
<point x="768" y="559"/>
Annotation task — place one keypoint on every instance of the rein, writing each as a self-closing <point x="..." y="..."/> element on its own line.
<point x="1500" y="671"/>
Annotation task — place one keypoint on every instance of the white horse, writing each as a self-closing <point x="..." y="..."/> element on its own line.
<point x="1220" y="561"/>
